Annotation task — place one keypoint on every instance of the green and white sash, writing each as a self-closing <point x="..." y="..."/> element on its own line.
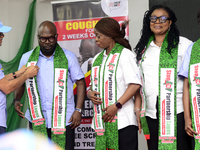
<point x="194" y="82"/>
<point x="143" y="102"/>
<point x="106" y="84"/>
<point x="167" y="134"/>
<point x="59" y="99"/>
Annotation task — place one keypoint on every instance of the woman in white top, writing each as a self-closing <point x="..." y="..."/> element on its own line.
<point x="114" y="81"/>
<point x="160" y="52"/>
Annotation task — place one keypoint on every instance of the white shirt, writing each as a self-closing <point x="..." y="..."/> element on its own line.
<point x="127" y="72"/>
<point x="150" y="67"/>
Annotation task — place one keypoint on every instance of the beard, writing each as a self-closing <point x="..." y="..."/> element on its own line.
<point x="48" y="50"/>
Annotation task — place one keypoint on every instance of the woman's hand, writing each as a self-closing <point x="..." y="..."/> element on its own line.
<point x="188" y="127"/>
<point x="110" y="113"/>
<point x="94" y="98"/>
<point x="138" y="120"/>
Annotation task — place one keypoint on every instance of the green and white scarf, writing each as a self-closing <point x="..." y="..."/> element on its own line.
<point x="167" y="133"/>
<point x="59" y="99"/>
<point x="194" y="82"/>
<point x="106" y="132"/>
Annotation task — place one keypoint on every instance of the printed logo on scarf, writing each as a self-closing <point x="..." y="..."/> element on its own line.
<point x="59" y="101"/>
<point x="95" y="76"/>
<point x="34" y="99"/>
<point x="196" y="75"/>
<point x="97" y="108"/>
<point x="111" y="64"/>
<point x="109" y="83"/>
<point x="195" y="94"/>
<point x="167" y="105"/>
<point x="168" y="84"/>
<point x="60" y="80"/>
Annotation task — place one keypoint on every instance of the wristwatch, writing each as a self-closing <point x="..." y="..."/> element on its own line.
<point x="78" y="109"/>
<point x="118" y="105"/>
<point x="15" y="101"/>
<point x="14" y="75"/>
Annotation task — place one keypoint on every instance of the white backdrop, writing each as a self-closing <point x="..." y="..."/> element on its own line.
<point x="15" y="13"/>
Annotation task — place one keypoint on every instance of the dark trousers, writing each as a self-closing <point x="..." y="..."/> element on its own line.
<point x="69" y="136"/>
<point x="2" y="130"/>
<point x="128" y="138"/>
<point x="184" y="141"/>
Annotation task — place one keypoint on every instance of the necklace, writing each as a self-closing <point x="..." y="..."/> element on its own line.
<point x="158" y="44"/>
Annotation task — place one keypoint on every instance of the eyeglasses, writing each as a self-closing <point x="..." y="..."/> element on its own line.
<point x="162" y="19"/>
<point x="51" y="39"/>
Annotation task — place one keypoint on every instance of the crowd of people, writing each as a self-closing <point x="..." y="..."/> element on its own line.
<point x="154" y="87"/>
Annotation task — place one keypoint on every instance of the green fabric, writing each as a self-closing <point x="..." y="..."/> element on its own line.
<point x="39" y="128"/>
<point x="109" y="139"/>
<point x="194" y="59"/>
<point x="61" y="62"/>
<point x="166" y="61"/>
<point x="143" y="120"/>
<point x="13" y="121"/>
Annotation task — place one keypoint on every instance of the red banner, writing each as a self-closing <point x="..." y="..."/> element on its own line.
<point x="80" y="29"/>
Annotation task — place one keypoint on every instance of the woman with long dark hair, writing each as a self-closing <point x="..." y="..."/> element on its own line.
<point x="114" y="81"/>
<point x="160" y="52"/>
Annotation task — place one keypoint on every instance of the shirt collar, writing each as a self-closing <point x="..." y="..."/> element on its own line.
<point x="104" y="54"/>
<point x="152" y="44"/>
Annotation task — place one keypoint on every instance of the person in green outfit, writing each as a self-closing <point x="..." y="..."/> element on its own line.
<point x="114" y="81"/>
<point x="160" y="52"/>
<point x="52" y="110"/>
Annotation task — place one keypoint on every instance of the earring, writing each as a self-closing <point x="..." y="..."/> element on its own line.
<point x="169" y="28"/>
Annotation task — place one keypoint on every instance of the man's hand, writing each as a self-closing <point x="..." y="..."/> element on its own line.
<point x="93" y="96"/>
<point x="110" y="113"/>
<point x="32" y="71"/>
<point x="75" y="119"/>
<point x="188" y="127"/>
<point x="18" y="106"/>
<point x="21" y="71"/>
